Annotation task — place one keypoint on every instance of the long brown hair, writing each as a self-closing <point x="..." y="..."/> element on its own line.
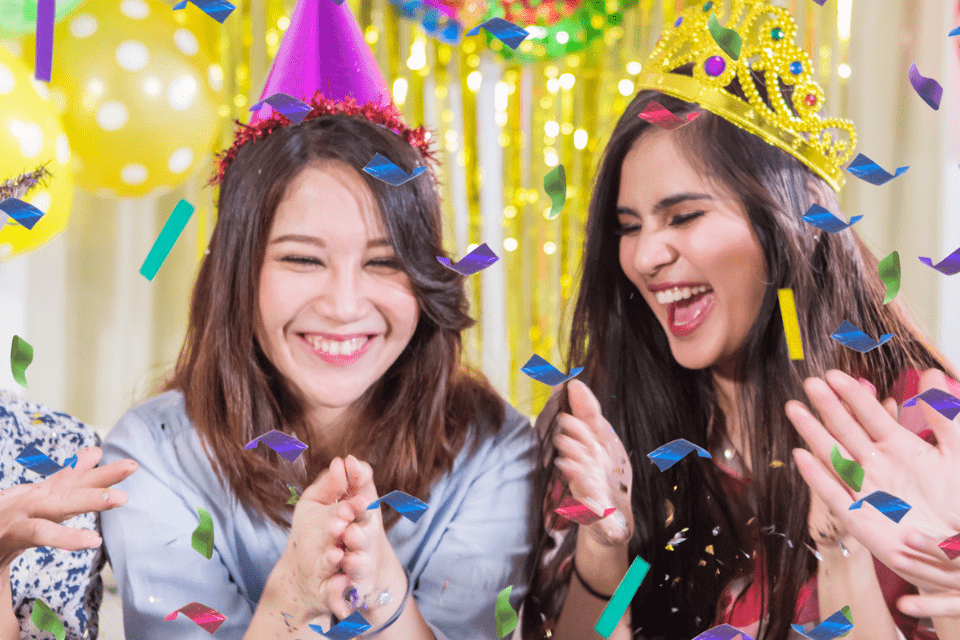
<point x="650" y="399"/>
<point x="413" y="421"/>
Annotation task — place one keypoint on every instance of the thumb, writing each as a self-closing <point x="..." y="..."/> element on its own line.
<point x="330" y="486"/>
<point x="585" y="406"/>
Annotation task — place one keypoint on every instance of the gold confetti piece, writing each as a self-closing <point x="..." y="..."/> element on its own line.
<point x="776" y="464"/>
<point x="709" y="549"/>
<point x="791" y="327"/>
<point x="669" y="507"/>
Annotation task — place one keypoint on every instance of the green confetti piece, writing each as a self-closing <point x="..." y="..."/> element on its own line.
<point x="727" y="39"/>
<point x="555" y="184"/>
<point x="167" y="238"/>
<point x="849" y="470"/>
<point x="203" y="535"/>
<point x="847" y="613"/>
<point x="44" y="618"/>
<point x="505" y="616"/>
<point x="621" y="597"/>
<point x="21" y="355"/>
<point x="294" y="496"/>
<point x="889" y="269"/>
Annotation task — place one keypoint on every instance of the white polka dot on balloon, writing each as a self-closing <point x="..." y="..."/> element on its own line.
<point x="180" y="160"/>
<point x="182" y="92"/>
<point x="7" y="83"/>
<point x="135" y="9"/>
<point x="59" y="100"/>
<point x="133" y="173"/>
<point x="112" y="115"/>
<point x="186" y="42"/>
<point x="132" y="55"/>
<point x="215" y="77"/>
<point x="42" y="89"/>
<point x="63" y="148"/>
<point x="152" y="86"/>
<point x="41" y="201"/>
<point x="83" y="26"/>
<point x="30" y="137"/>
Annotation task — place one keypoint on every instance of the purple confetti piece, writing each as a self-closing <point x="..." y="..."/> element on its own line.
<point x="477" y="260"/>
<point x="284" y="444"/>
<point x="823" y="219"/>
<point x="295" y="110"/>
<point x="946" y="404"/>
<point x="853" y="338"/>
<point x="43" y="62"/>
<point x="23" y="212"/>
<point x="820" y="2"/>
<point x="927" y="88"/>
<point x="949" y="266"/>
<point x="405" y="504"/>
<point x="890" y="506"/>
<point x="542" y="371"/>
<point x="671" y="453"/>
<point x="503" y="30"/>
<point x="350" y="627"/>
<point x="219" y="10"/>
<point x="722" y="632"/>
<point x="382" y="169"/>
<point x="869" y="171"/>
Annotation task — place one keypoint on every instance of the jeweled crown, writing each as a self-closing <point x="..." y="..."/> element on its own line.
<point x="790" y="119"/>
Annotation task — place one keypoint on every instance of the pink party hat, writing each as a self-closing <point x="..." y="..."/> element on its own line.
<point x="323" y="50"/>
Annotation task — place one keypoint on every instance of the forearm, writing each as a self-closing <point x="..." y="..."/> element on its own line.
<point x="9" y="627"/>
<point x="852" y="581"/>
<point x="279" y="614"/>
<point x="603" y="569"/>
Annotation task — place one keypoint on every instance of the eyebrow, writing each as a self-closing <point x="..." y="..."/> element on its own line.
<point x="667" y="202"/>
<point x="321" y="243"/>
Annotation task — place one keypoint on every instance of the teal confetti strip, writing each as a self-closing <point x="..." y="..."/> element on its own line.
<point x="21" y="355"/>
<point x="889" y="269"/>
<point x="504" y="615"/>
<point x="621" y="597"/>
<point x="167" y="238"/>
<point x="555" y="184"/>
<point x="44" y="618"/>
<point x="203" y="535"/>
<point x="727" y="39"/>
<point x="849" y="470"/>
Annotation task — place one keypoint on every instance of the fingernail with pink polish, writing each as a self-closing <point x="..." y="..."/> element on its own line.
<point x="867" y="384"/>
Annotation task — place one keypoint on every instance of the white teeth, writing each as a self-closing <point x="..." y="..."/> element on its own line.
<point x="336" y="347"/>
<point x="678" y="293"/>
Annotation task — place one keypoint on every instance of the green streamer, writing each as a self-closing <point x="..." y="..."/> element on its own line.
<point x="847" y="613"/>
<point x="44" y="618"/>
<point x="555" y="184"/>
<point x="621" y="597"/>
<point x="168" y="237"/>
<point x="505" y="616"/>
<point x="849" y="470"/>
<point x="889" y="269"/>
<point x="21" y="355"/>
<point x="727" y="39"/>
<point x="203" y="535"/>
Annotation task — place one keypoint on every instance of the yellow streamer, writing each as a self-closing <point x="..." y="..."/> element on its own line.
<point x="791" y="328"/>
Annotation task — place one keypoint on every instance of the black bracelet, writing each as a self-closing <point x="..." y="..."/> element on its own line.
<point x="583" y="583"/>
<point x="396" y="614"/>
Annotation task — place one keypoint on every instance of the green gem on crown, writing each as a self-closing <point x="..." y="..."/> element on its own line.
<point x="777" y="34"/>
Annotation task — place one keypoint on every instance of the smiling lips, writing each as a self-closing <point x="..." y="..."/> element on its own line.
<point x="687" y="306"/>
<point x="338" y="350"/>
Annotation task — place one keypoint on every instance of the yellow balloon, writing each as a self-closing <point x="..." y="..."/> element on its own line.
<point x="140" y="95"/>
<point x="31" y="134"/>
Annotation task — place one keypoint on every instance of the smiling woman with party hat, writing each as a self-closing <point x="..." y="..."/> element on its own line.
<point x="692" y="233"/>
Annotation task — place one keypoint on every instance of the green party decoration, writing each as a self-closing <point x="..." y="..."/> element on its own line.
<point x="19" y="17"/>
<point x="44" y="618"/>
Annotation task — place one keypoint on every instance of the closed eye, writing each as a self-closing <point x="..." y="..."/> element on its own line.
<point x="385" y="263"/>
<point x="302" y="260"/>
<point x="683" y="218"/>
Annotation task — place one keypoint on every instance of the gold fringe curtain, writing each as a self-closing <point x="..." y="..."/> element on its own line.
<point x="556" y="111"/>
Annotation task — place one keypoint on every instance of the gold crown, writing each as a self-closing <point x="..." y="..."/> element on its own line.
<point x="767" y="34"/>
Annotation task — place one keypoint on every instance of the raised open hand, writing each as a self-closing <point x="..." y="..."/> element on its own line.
<point x="595" y="465"/>
<point x="30" y="514"/>
<point x="895" y="461"/>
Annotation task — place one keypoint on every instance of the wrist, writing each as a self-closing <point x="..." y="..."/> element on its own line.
<point x="281" y="592"/>
<point x="601" y="567"/>
<point x="847" y="551"/>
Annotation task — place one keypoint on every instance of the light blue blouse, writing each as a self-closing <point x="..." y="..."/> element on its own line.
<point x="471" y="543"/>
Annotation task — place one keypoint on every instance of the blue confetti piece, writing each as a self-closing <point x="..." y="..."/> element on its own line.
<point x="955" y="32"/>
<point x="22" y="212"/>
<point x="671" y="453"/>
<point x="406" y="505"/>
<point x="946" y="404"/>
<point x="852" y="338"/>
<point x="722" y="632"/>
<point x="542" y="371"/>
<point x="836" y="626"/>
<point x="503" y="30"/>
<point x="70" y="462"/>
<point x="382" y="169"/>
<point x="37" y="461"/>
<point x="477" y="260"/>
<point x="350" y="627"/>
<point x="890" y="506"/>
<point x="219" y="10"/>
<point x="284" y="444"/>
<point x="823" y="219"/>
<point x="295" y="110"/>
<point x="869" y="171"/>
<point x="949" y="266"/>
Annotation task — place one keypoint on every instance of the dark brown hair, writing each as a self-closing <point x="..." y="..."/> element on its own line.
<point x="650" y="399"/>
<point x="413" y="421"/>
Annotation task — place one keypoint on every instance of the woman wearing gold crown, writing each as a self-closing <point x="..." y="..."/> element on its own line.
<point x="691" y="233"/>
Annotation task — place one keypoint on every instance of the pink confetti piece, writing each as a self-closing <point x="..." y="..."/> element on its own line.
<point x="951" y="547"/>
<point x="927" y="88"/>
<point x="656" y="113"/>
<point x="573" y="509"/>
<point x="204" y="616"/>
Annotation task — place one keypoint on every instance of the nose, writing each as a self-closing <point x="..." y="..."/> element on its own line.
<point x="652" y="250"/>
<point x="343" y="297"/>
